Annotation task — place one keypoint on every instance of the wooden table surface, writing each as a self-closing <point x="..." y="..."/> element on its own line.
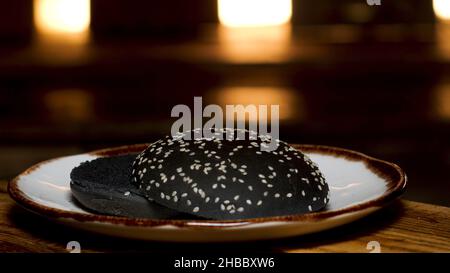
<point x="405" y="226"/>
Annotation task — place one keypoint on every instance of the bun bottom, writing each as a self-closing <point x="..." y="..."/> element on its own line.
<point x="104" y="186"/>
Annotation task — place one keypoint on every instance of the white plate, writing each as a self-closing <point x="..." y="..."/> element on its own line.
<point x="359" y="185"/>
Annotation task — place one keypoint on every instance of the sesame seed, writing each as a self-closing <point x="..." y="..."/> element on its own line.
<point x="289" y="195"/>
<point x="249" y="201"/>
<point x="259" y="203"/>
<point x="221" y="177"/>
<point x="309" y="208"/>
<point x="126" y="193"/>
<point x="277" y="195"/>
<point x="196" y="209"/>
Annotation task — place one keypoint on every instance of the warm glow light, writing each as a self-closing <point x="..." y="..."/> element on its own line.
<point x="442" y="102"/>
<point x="251" y="13"/>
<point x="62" y="16"/>
<point x="255" y="44"/>
<point x="69" y="105"/>
<point x="289" y="101"/>
<point x="442" y="9"/>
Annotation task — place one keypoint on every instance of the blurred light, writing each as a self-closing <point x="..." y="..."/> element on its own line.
<point x="442" y="9"/>
<point x="442" y="102"/>
<point x="254" y="30"/>
<point x="290" y="103"/>
<point x="255" y="44"/>
<point x="62" y="16"/>
<point x="251" y="13"/>
<point x="359" y="12"/>
<point x="66" y="105"/>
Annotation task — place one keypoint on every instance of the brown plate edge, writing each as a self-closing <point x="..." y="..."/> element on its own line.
<point x="392" y="173"/>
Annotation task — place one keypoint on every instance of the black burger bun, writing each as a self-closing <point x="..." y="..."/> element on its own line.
<point x="223" y="179"/>
<point x="103" y="185"/>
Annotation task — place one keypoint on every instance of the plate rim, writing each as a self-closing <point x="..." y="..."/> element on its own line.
<point x="390" y="172"/>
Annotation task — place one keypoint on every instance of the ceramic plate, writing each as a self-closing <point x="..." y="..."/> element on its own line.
<point x="359" y="185"/>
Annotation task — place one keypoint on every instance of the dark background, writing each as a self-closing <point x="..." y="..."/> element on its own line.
<point x="371" y="78"/>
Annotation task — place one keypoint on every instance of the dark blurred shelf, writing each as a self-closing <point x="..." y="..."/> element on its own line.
<point x="311" y="46"/>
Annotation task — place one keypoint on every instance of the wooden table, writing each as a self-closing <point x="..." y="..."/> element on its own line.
<point x="405" y="226"/>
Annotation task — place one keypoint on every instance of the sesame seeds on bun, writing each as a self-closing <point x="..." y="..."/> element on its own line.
<point x="222" y="179"/>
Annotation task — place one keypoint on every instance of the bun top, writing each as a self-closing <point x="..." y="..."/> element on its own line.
<point x="223" y="179"/>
